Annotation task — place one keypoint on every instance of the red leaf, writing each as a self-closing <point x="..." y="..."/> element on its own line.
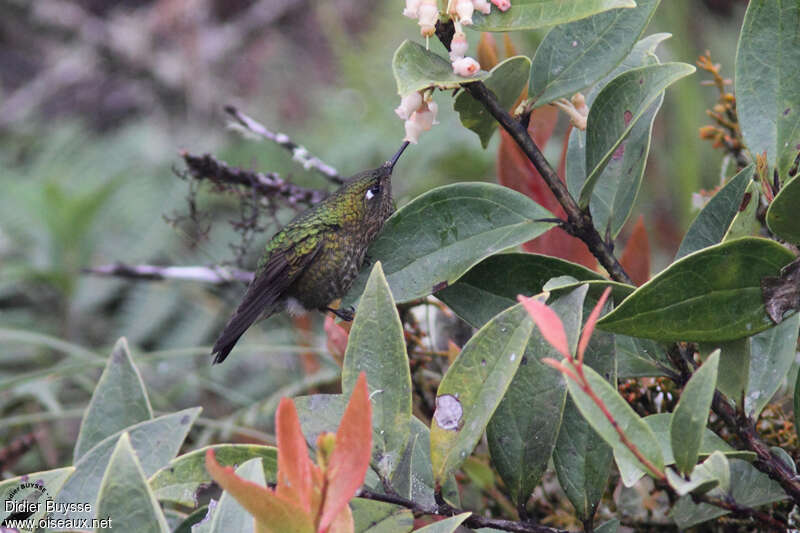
<point x="548" y="322"/>
<point x="269" y="510"/>
<point x="337" y="336"/>
<point x="636" y="256"/>
<point x="588" y="328"/>
<point x="514" y="170"/>
<point x="350" y="458"/>
<point x="294" y="465"/>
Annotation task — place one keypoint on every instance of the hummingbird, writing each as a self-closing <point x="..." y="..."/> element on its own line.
<point x="316" y="257"/>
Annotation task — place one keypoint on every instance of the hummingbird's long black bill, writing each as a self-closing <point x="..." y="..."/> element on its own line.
<point x="390" y="163"/>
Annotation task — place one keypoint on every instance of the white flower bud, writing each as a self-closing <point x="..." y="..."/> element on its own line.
<point x="483" y="6"/>
<point x="458" y="46"/>
<point x="426" y="115"/>
<point x="428" y="15"/>
<point x="408" y="104"/>
<point x="502" y="5"/>
<point x="413" y="129"/>
<point x="464" y="9"/>
<point x="412" y="9"/>
<point x="465" y="66"/>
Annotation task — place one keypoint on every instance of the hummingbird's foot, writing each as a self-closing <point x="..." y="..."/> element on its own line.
<point x="345" y="314"/>
<point x="367" y="260"/>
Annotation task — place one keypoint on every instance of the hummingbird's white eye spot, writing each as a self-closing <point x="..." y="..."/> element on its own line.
<point x="372" y="192"/>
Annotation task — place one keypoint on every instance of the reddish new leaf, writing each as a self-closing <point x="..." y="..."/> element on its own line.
<point x="350" y="458"/>
<point x="548" y="322"/>
<point x="294" y="465"/>
<point x="337" y="335"/>
<point x="487" y="51"/>
<point x="636" y="256"/>
<point x="272" y="513"/>
<point x="588" y="329"/>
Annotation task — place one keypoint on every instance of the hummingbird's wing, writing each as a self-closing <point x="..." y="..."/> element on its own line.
<point x="281" y="269"/>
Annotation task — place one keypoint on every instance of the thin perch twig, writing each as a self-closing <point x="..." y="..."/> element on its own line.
<point x="214" y="275"/>
<point x="299" y="153"/>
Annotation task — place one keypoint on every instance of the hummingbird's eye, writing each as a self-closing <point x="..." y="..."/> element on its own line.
<point x="373" y="191"/>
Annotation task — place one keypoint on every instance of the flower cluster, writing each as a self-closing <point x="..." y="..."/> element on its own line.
<point x="419" y="112"/>
<point x="427" y="11"/>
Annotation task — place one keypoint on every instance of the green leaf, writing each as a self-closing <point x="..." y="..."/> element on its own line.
<point x="155" y="442"/>
<point x="782" y="216"/>
<point x="473" y="387"/>
<point x="617" y="109"/>
<point x="796" y="405"/>
<point x="416" y="68"/>
<point x="573" y="56"/>
<point x="229" y="515"/>
<point x="745" y="223"/>
<point x="691" y="414"/>
<point x="582" y="459"/>
<point x="521" y="446"/>
<point x="640" y="358"/>
<point x="124" y="497"/>
<point x="119" y="400"/>
<point x="715" y="218"/>
<point x="636" y="429"/>
<point x="492" y="285"/>
<point x="711" y="295"/>
<point x="178" y="481"/>
<point x="735" y="359"/>
<point x="772" y="354"/>
<point x="430" y="242"/>
<point x="608" y="527"/>
<point x="660" y="424"/>
<point x="532" y="14"/>
<point x="506" y="81"/>
<point x="377" y="346"/>
<point x="767" y="70"/>
<point x="378" y="517"/>
<point x="448" y="525"/>
<point x="713" y="472"/>
<point x="748" y="487"/>
<point x="50" y="480"/>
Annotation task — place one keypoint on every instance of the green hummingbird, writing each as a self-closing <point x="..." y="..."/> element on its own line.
<point x="316" y="257"/>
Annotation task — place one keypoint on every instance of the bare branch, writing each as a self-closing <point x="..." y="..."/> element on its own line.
<point x="214" y="274"/>
<point x="299" y="153"/>
<point x="266" y="183"/>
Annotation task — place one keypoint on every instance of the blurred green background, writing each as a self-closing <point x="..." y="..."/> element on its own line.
<point x="98" y="97"/>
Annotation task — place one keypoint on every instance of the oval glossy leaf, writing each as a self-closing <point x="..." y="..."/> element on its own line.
<point x="574" y="56"/>
<point x="416" y="68"/>
<point x="155" y="442"/>
<point x="124" y="497"/>
<point x="710" y="295"/>
<point x="119" y="400"/>
<point x="433" y="240"/>
<point x="370" y="516"/>
<point x="634" y="427"/>
<point x="782" y="216"/>
<point x="616" y="110"/>
<point x="748" y="487"/>
<point x="179" y="480"/>
<point x="532" y="14"/>
<point x="51" y="480"/>
<point x="767" y="70"/>
<point x="492" y="285"/>
<point x="713" y="220"/>
<point x="746" y="223"/>
<point x="640" y="358"/>
<point x="711" y="473"/>
<point x="772" y="353"/>
<point x="521" y="446"/>
<point x="377" y="346"/>
<point x="691" y="414"/>
<point x="506" y="81"/>
<point x="229" y="515"/>
<point x="473" y="387"/>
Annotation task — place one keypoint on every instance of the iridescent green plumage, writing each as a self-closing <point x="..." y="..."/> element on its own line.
<point x="314" y="259"/>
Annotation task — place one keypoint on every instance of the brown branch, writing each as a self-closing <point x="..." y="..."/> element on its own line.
<point x="743" y="511"/>
<point x="265" y="183"/>
<point x="299" y="153"/>
<point x="474" y="521"/>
